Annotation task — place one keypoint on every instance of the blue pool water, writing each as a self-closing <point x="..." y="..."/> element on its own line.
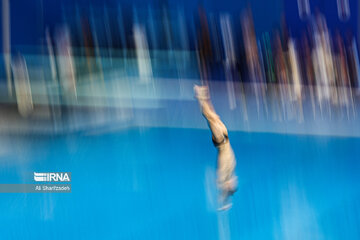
<point x="159" y="183"/>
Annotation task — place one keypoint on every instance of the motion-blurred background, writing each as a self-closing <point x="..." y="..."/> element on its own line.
<point x="274" y="65"/>
<point x="104" y="90"/>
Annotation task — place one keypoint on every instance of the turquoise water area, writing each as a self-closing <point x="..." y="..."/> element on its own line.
<point x="159" y="183"/>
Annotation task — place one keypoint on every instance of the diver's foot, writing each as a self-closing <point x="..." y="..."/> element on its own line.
<point x="202" y="92"/>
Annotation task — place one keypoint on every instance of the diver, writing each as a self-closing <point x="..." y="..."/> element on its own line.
<point x="226" y="178"/>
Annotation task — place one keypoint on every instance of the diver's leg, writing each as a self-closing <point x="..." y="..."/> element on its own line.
<point x="217" y="127"/>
